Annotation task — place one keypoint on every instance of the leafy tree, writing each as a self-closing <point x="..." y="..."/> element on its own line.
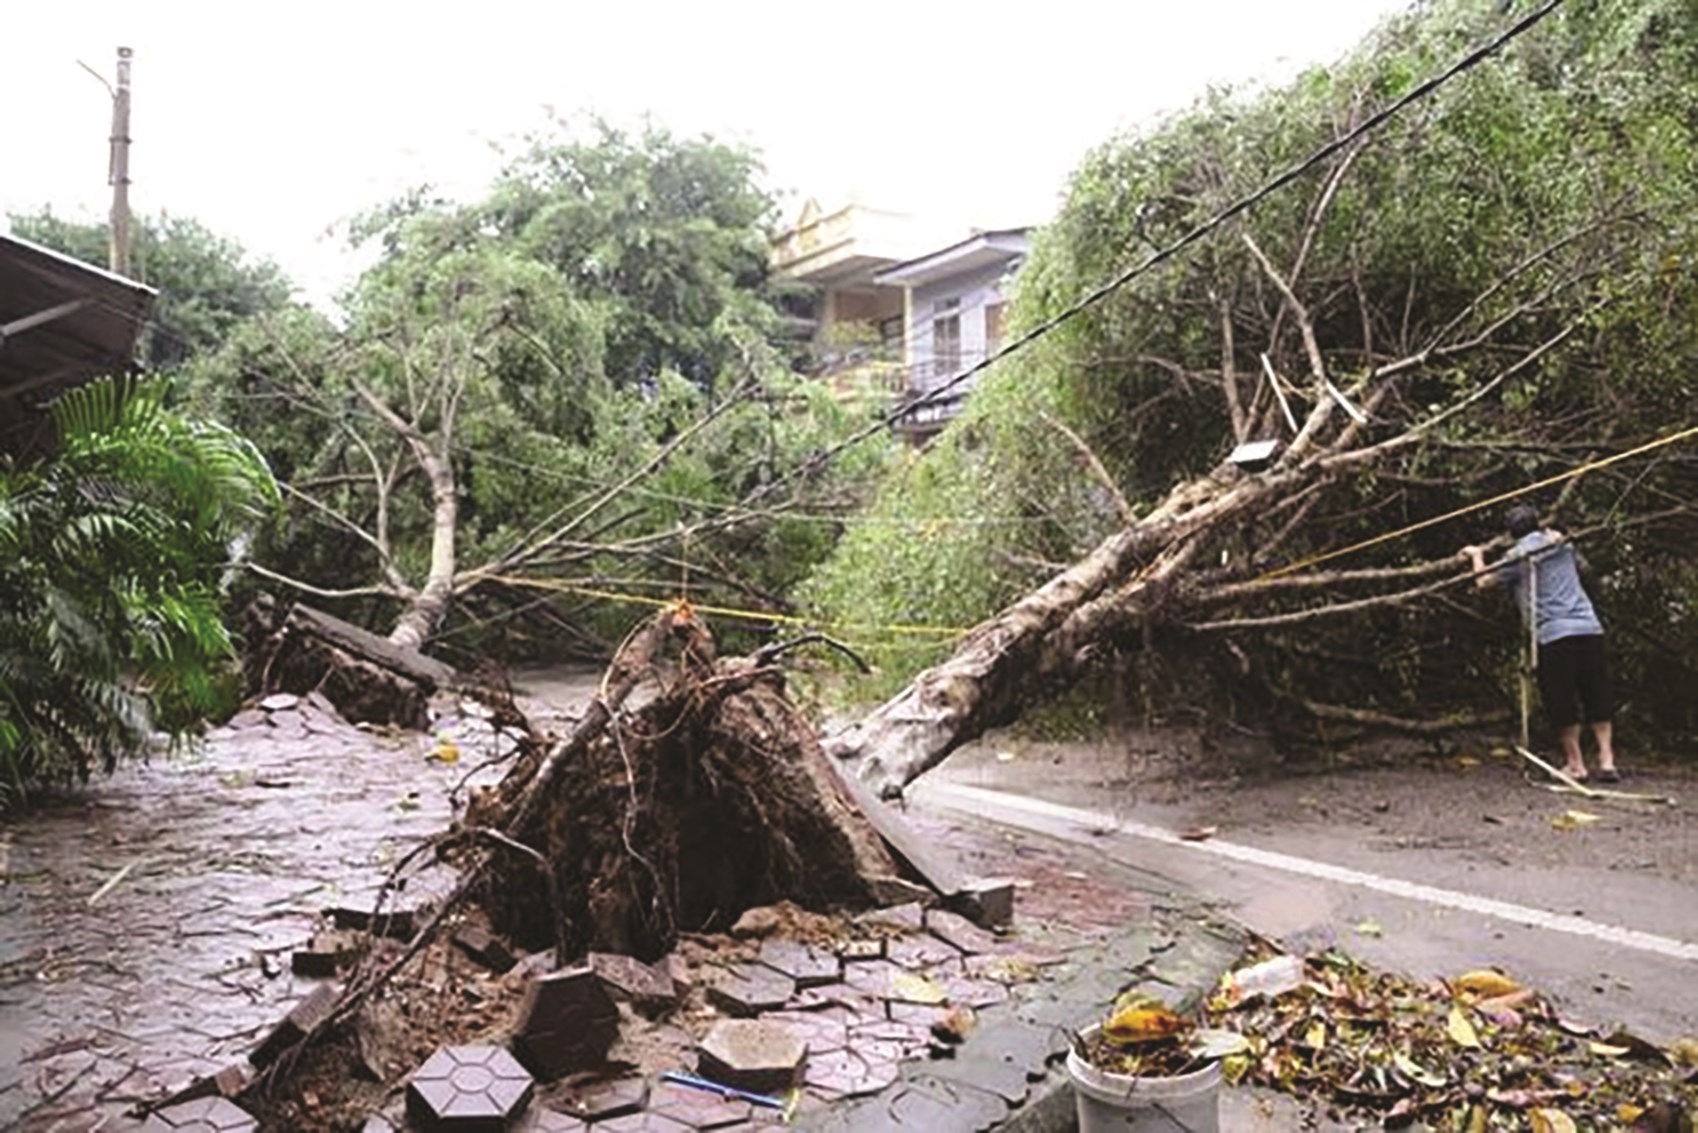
<point x="207" y="284"/>
<point x="112" y="560"/>
<point x="1535" y="210"/>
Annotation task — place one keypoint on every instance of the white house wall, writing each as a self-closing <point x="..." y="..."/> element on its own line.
<point x="974" y="291"/>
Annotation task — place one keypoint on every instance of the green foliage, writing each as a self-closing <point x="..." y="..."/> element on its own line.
<point x="207" y="284"/>
<point x="1549" y="187"/>
<point x="111" y="555"/>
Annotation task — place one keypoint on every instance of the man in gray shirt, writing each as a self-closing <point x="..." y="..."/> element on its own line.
<point x="1543" y="571"/>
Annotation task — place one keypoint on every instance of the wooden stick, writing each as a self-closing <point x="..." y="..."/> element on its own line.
<point x="1569" y="783"/>
<point x="1562" y="777"/>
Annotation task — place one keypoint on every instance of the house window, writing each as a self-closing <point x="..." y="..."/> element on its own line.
<point x="946" y="339"/>
<point x="993" y="328"/>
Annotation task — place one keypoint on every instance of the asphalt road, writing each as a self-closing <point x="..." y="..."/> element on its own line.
<point x="1430" y="870"/>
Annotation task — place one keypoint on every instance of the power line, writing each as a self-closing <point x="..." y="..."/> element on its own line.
<point x="1243" y="204"/>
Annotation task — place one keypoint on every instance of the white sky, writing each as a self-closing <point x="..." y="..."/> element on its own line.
<point x="271" y="122"/>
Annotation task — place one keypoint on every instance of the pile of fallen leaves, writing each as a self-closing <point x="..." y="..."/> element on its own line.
<point x="1475" y="1053"/>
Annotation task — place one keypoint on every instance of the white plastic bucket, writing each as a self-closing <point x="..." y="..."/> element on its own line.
<point x="1117" y="1103"/>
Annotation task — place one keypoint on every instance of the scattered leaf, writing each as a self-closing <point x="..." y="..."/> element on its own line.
<point x="1198" y="833"/>
<point x="1605" y="1050"/>
<point x="1212" y="1043"/>
<point x="1460" y="1030"/>
<point x="1484" y="983"/>
<point x="1416" y="1072"/>
<point x="1627" y="1112"/>
<point x="1637" y="1047"/>
<point x="1573" y="819"/>
<point x="1315" y="1038"/>
<point x="1684" y="1051"/>
<point x="1370" y="928"/>
<point x="1142" y="1023"/>
<point x="447" y="751"/>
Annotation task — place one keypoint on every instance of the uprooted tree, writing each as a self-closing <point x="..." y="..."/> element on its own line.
<point x="1493" y="289"/>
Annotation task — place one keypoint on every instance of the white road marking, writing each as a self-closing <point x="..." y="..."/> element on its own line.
<point x="1010" y="808"/>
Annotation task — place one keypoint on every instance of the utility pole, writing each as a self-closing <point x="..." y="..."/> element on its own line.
<point x="118" y="171"/>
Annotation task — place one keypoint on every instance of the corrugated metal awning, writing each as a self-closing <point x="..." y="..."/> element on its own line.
<point x="62" y="322"/>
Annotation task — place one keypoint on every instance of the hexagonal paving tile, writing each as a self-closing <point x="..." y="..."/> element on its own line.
<point x="753" y="1054"/>
<point x="849" y="1074"/>
<point x="203" y="1115"/>
<point x="749" y="989"/>
<point x="920" y="951"/>
<point x="807" y="964"/>
<point x="699" y="1109"/>
<point x="540" y="1120"/>
<point x="599" y="1100"/>
<point x="566" y="1023"/>
<point x="649" y="1122"/>
<point x="959" y="931"/>
<point x="468" y="1089"/>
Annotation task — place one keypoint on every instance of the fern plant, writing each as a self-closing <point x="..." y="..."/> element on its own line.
<point x="111" y="624"/>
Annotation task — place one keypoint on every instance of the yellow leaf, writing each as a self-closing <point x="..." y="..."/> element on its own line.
<point x="1142" y="1024"/>
<point x="1416" y="1072"/>
<point x="1484" y="983"/>
<point x="1684" y="1051"/>
<point x="1316" y="1036"/>
<point x="1477" y="1119"/>
<point x="1573" y="819"/>
<point x="1460" y="1030"/>
<point x="1370" y="928"/>
<point x="1627" y="1113"/>
<point x="447" y="751"/>
<point x="1551" y="1121"/>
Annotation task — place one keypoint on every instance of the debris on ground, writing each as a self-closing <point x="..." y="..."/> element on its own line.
<point x="1474" y="1053"/>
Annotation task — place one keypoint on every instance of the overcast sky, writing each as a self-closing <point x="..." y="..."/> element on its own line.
<point x="273" y="122"/>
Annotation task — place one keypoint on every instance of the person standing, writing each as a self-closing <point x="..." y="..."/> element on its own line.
<point x="1542" y="570"/>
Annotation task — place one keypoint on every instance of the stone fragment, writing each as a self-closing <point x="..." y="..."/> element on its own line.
<point x="484" y="947"/>
<point x="327" y="953"/>
<point x="697" y="1109"/>
<point x="675" y="966"/>
<point x="598" y="1101"/>
<point x="644" y="986"/>
<point x="279" y="701"/>
<point x="752" y="1054"/>
<point x="302" y="1018"/>
<point x="468" y="1089"/>
<point x="987" y="901"/>
<point x="396" y="924"/>
<point x="204" y="1115"/>
<point x="956" y="930"/>
<point x="956" y="1024"/>
<point x="870" y="948"/>
<point x="377" y="1123"/>
<point x="749" y="989"/>
<point x="807" y="964"/>
<point x="566" y="1023"/>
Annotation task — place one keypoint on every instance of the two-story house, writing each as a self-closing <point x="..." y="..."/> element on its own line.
<point x="954" y="314"/>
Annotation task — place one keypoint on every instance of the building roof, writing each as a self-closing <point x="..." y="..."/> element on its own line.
<point x="62" y="322"/>
<point x="982" y="249"/>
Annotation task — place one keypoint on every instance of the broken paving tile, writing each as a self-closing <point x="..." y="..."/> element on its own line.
<point x="600" y="1100"/>
<point x="327" y="953"/>
<point x="279" y="702"/>
<point x="644" y="986"/>
<point x="302" y="1018"/>
<point x="808" y="965"/>
<point x="204" y="1115"/>
<point x="849" y="1074"/>
<point x="567" y="1022"/>
<point x="697" y="1109"/>
<point x="957" y="930"/>
<point x="986" y="901"/>
<point x="920" y="951"/>
<point x="397" y="924"/>
<point x="470" y="1088"/>
<point x="759" y="1055"/>
<point x="484" y="947"/>
<point x="836" y="996"/>
<point x="910" y="917"/>
<point x="749" y="989"/>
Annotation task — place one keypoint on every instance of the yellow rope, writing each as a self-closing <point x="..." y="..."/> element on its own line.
<point x="723" y="611"/>
<point x="1572" y="473"/>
